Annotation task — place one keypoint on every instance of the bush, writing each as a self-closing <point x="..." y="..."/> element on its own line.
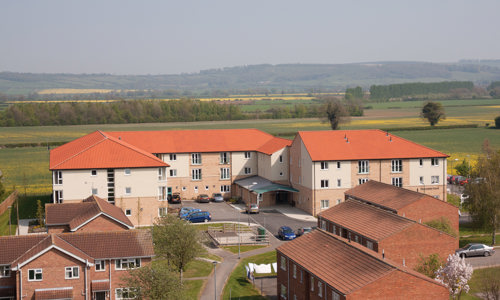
<point x="442" y="224"/>
<point x="497" y="122"/>
<point x="429" y="265"/>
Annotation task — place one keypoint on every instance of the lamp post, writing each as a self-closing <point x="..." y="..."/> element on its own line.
<point x="215" y="281"/>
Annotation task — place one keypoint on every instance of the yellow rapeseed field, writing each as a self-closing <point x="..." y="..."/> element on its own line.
<point x="76" y="91"/>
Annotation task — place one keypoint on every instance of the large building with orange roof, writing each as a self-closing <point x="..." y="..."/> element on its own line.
<point x="325" y="164"/>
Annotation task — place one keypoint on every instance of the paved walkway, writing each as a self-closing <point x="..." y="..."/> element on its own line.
<point x="23" y="226"/>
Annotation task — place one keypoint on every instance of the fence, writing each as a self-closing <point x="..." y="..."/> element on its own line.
<point x="236" y="233"/>
<point x="8" y="202"/>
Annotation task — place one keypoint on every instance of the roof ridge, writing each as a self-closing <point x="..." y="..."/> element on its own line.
<point x="132" y="147"/>
<point x="83" y="150"/>
<point x="56" y="235"/>
<point x="35" y="245"/>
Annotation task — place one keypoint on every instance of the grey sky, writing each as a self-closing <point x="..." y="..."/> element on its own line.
<point x="169" y="37"/>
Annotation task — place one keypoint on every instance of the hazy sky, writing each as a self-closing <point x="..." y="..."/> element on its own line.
<point x="170" y="37"/>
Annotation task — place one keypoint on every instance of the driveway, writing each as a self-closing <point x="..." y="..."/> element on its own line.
<point x="479" y="262"/>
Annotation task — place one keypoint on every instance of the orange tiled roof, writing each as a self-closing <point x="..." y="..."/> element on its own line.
<point x="15" y="246"/>
<point x="99" y="150"/>
<point x="367" y="220"/>
<point x="361" y="144"/>
<point x="386" y="195"/>
<point x="210" y="140"/>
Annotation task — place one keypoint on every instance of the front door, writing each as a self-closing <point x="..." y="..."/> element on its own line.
<point x="100" y="296"/>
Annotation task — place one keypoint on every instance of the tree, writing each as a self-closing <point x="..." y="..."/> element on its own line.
<point x="176" y="241"/>
<point x="433" y="112"/>
<point x="455" y="274"/>
<point x="335" y="112"/>
<point x="2" y="188"/>
<point x="40" y="214"/>
<point x="155" y="281"/>
<point x="484" y="191"/>
<point x="497" y="122"/>
<point x="429" y="265"/>
<point x="463" y="168"/>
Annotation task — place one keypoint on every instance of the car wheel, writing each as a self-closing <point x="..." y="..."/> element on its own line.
<point x="486" y="253"/>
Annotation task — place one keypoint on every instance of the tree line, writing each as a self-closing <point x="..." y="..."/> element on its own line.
<point x="416" y="88"/>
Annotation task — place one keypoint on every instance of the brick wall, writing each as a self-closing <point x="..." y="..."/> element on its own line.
<point x="428" y="208"/>
<point x="8" y="202"/>
<point x="102" y="223"/>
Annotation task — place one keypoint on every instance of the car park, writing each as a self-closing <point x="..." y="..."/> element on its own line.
<point x="252" y="209"/>
<point x="464" y="181"/>
<point x="202" y="198"/>
<point x="303" y="230"/>
<point x="457" y="179"/>
<point x="175" y="198"/>
<point x="217" y="197"/>
<point x="286" y="233"/>
<point x="186" y="211"/>
<point x="475" y="249"/>
<point x="199" y="216"/>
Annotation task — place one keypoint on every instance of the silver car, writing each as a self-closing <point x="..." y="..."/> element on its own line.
<point x="474" y="249"/>
<point x="217" y="197"/>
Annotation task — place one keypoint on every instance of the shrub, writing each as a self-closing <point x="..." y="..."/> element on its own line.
<point x="429" y="265"/>
<point x="442" y="224"/>
<point x="497" y="122"/>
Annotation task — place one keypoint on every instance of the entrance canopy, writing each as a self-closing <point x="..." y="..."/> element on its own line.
<point x="261" y="185"/>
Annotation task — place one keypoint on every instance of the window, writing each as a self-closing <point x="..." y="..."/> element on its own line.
<point x="421" y="162"/>
<point x="369" y="245"/>
<point x="397" y="166"/>
<point x="35" y="275"/>
<point x="320" y="289"/>
<point x="324" y="183"/>
<point x="434" y="179"/>
<point x="162" y="193"/>
<point x="93" y="173"/>
<point x="323" y="224"/>
<point x="224" y="173"/>
<point x="100" y="265"/>
<point x="173" y="157"/>
<point x="128" y="212"/>
<point x="434" y="161"/>
<point x="248" y="154"/>
<point x="4" y="271"/>
<point x="338" y="165"/>
<point x="363" y="167"/>
<point x="301" y="276"/>
<point x="196" y="174"/>
<point x="206" y="187"/>
<point x="334" y="229"/>
<point x="127" y="263"/>
<point x="339" y="200"/>
<point x="94" y="191"/>
<point x="127" y="171"/>
<point x="128" y="190"/>
<point x="356" y="239"/>
<point x="294" y="271"/>
<point x="362" y="180"/>
<point x="283" y="263"/>
<point x="283" y="291"/>
<point x="196" y="189"/>
<point x="335" y="296"/>
<point x="161" y="174"/>
<point x="225" y="188"/>
<point x="71" y="272"/>
<point x="173" y="172"/>
<point x="58" y="177"/>
<point x="183" y="188"/>
<point x="58" y="196"/>
<point x="224" y="157"/>
<point x="339" y="182"/>
<point x="312" y="284"/>
<point x="421" y="179"/>
<point x="281" y="173"/>
<point x="195" y="158"/>
<point x="162" y="211"/>
<point x="125" y="293"/>
<point x="324" y="165"/>
<point x="397" y="181"/>
<point x="281" y="158"/>
<point x="248" y="170"/>
<point x="325" y="204"/>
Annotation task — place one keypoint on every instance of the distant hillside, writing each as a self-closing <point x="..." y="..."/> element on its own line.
<point x="258" y="78"/>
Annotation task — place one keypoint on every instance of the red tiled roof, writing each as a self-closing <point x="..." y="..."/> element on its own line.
<point x="48" y="294"/>
<point x="372" y="222"/>
<point x="99" y="150"/>
<point x="361" y="144"/>
<point x="386" y="195"/>
<point x="76" y="214"/>
<point x="210" y="140"/>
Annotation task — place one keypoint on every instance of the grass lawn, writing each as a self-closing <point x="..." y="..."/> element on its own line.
<point x="193" y="288"/>
<point x="4" y="223"/>
<point x="27" y="210"/>
<point x="479" y="239"/>
<point x="211" y="256"/>
<point x="238" y="284"/>
<point x="243" y="248"/>
<point x="198" y="268"/>
<point x="478" y="277"/>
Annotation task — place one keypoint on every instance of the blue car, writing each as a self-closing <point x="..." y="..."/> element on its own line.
<point x="186" y="211"/>
<point x="286" y="233"/>
<point x="198" y="216"/>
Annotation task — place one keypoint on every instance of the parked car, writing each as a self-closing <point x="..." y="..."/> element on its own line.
<point x="457" y="179"/>
<point x="217" y="197"/>
<point x="303" y="230"/>
<point x="175" y="198"/>
<point x="199" y="216"/>
<point x="252" y="209"/>
<point x="448" y="178"/>
<point x="286" y="233"/>
<point x="186" y="211"/>
<point x="452" y="179"/>
<point x="474" y="249"/>
<point x="464" y="181"/>
<point x="203" y="198"/>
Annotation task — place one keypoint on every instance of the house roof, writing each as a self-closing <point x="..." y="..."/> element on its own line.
<point x="361" y="144"/>
<point x="77" y="214"/>
<point x="372" y="222"/>
<point x="386" y="195"/>
<point x="210" y="140"/>
<point x="15" y="246"/>
<point x="99" y="150"/>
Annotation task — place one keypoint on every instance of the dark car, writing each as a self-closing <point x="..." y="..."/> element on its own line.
<point x="186" y="211"/>
<point x="175" y="198"/>
<point x="303" y="230"/>
<point x="474" y="249"/>
<point x="286" y="233"/>
<point x="198" y="216"/>
<point x="203" y="198"/>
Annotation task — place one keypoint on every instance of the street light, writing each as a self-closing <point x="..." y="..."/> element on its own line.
<point x="215" y="281"/>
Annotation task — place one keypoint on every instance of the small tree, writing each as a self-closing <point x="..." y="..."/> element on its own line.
<point x="335" y="112"/>
<point x="40" y="213"/>
<point x="433" y="112"/>
<point x="429" y="265"/>
<point x="463" y="168"/>
<point x="455" y="274"/>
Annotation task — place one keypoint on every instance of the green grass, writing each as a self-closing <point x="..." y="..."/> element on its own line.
<point x="27" y="210"/>
<point x="211" y="256"/>
<point x="238" y="284"/>
<point x="4" y="223"/>
<point x="445" y="103"/>
<point x="243" y="248"/>
<point x="486" y="239"/>
<point x="478" y="277"/>
<point x="198" y="268"/>
<point x="193" y="288"/>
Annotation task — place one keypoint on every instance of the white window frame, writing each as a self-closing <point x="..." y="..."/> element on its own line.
<point x="224" y="158"/>
<point x="335" y="295"/>
<point x="324" y="183"/>
<point x="72" y="272"/>
<point x="127" y="263"/>
<point x="58" y="178"/>
<point x="435" y="179"/>
<point x="196" y="174"/>
<point x="247" y="170"/>
<point x="225" y="188"/>
<point x="93" y="172"/>
<point x="421" y="180"/>
<point x="5" y="271"/>
<point x="128" y="292"/>
<point x="35" y="272"/>
<point x="369" y="245"/>
<point x="100" y="265"/>
<point x="283" y="291"/>
<point x="324" y="204"/>
<point x="196" y="158"/>
<point x="362" y="180"/>
<point x="435" y="162"/>
<point x="162" y="211"/>
<point x="397" y="181"/>
<point x="323" y="224"/>
<point x="320" y="289"/>
<point x="94" y="191"/>
<point x="312" y="284"/>
<point x="58" y="196"/>
<point x="363" y="166"/>
<point x="397" y="166"/>
<point x="162" y="191"/>
<point x="324" y="165"/>
<point x="248" y="155"/>
<point x="128" y="212"/>
<point x="173" y="172"/>
<point x="172" y="157"/>
<point x="225" y="173"/>
<point x="161" y="174"/>
<point x="127" y="171"/>
<point x="128" y="190"/>
<point x="294" y="271"/>
<point x="283" y="263"/>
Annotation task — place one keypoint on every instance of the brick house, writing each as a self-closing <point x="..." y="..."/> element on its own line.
<point x="325" y="164"/>
<point x="413" y="205"/>
<point x="93" y="214"/>
<point x="81" y="265"/>
<point x="400" y="239"/>
<point x="323" y="266"/>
